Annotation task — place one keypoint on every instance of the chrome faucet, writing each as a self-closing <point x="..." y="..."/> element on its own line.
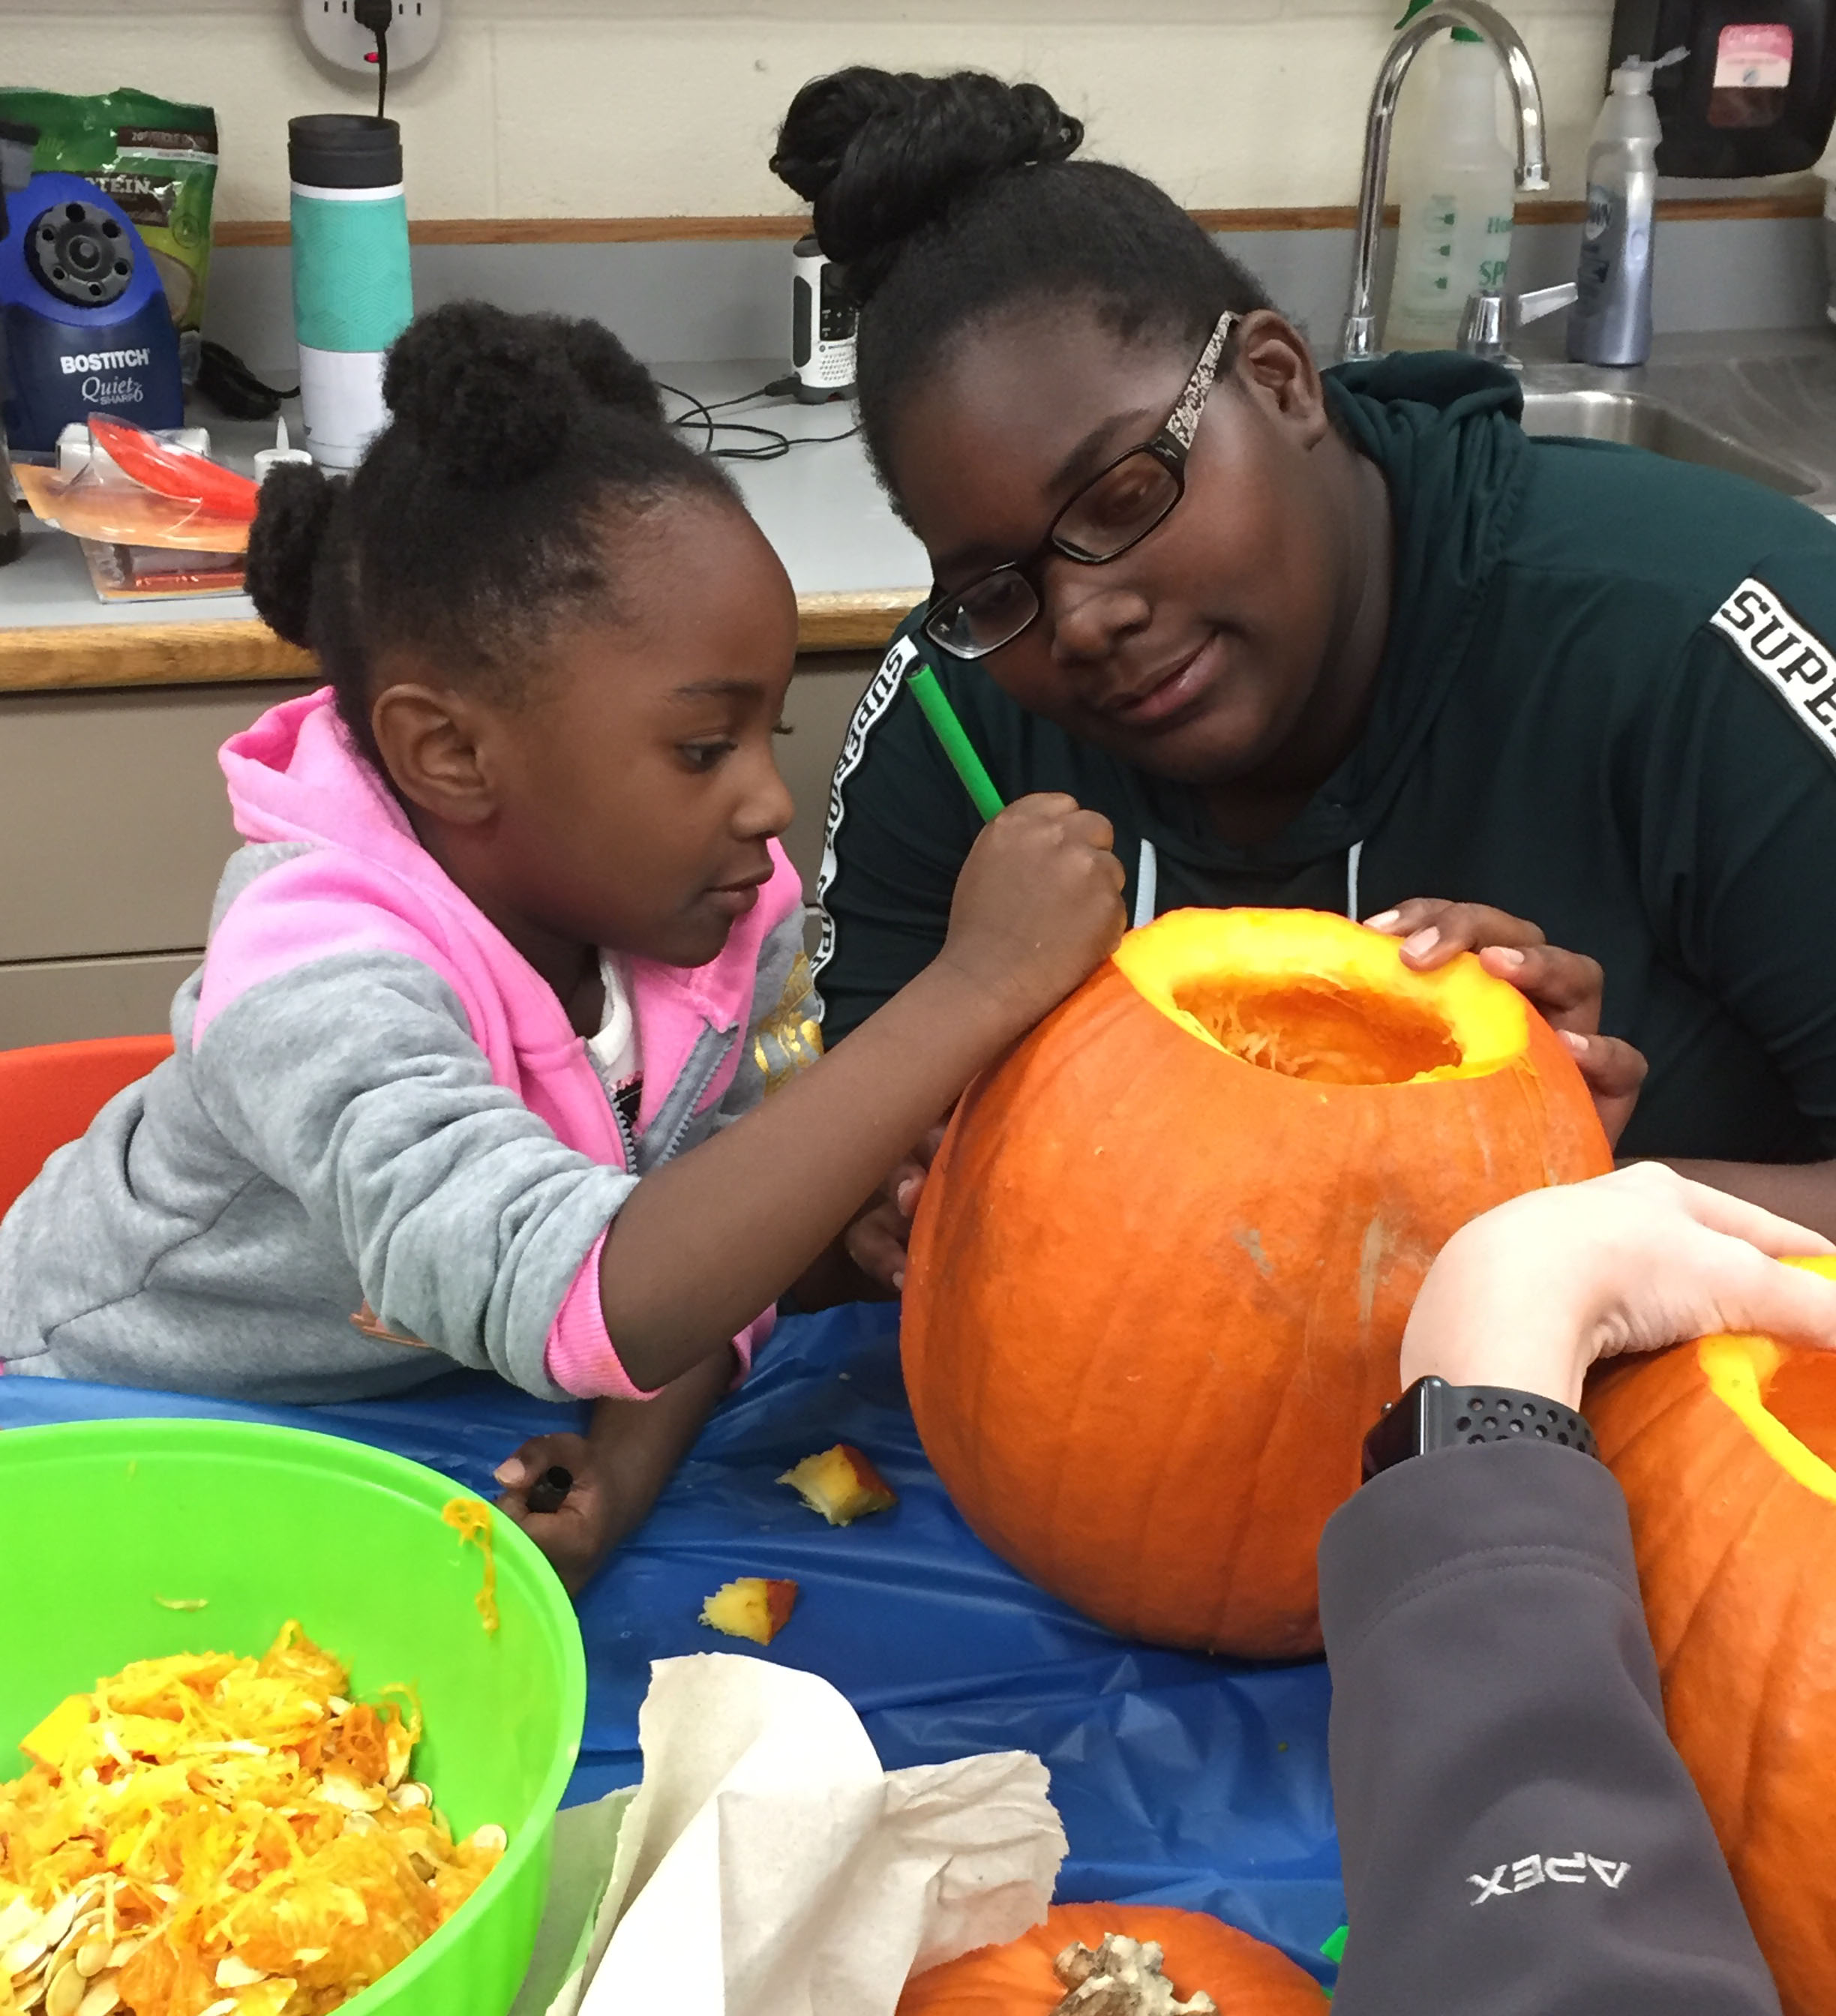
<point x="1359" y="339"/>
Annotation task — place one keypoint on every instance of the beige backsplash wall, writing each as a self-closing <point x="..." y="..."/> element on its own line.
<point x="622" y="108"/>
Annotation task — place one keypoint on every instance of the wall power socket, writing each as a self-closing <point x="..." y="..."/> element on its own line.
<point x="333" y="30"/>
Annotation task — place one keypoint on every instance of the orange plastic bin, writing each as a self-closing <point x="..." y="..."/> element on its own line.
<point x="50" y="1093"/>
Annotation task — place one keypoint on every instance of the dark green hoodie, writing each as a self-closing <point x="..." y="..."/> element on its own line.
<point x="1604" y="706"/>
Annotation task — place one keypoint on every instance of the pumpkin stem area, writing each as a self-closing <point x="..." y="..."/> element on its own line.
<point x="1313" y="1029"/>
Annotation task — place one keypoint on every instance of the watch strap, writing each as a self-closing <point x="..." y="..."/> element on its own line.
<point x="1433" y="1415"/>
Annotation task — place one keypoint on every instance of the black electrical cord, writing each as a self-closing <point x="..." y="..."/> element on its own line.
<point x="224" y="380"/>
<point x="376" y="15"/>
<point x="771" y="445"/>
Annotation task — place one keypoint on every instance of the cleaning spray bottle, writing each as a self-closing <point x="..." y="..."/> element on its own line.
<point x="1612" y="320"/>
<point x="1454" y="235"/>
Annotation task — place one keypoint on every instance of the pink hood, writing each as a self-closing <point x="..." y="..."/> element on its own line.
<point x="365" y="884"/>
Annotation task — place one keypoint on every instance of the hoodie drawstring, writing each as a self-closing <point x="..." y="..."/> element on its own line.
<point x="1148" y="875"/>
<point x="1147" y="878"/>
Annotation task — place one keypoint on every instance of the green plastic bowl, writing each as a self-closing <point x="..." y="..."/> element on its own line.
<point x="98" y="1520"/>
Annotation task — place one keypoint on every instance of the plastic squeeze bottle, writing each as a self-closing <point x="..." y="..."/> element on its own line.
<point x="1611" y="322"/>
<point x="1454" y="234"/>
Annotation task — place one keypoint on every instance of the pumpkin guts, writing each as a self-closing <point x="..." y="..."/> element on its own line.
<point x="209" y="1834"/>
<point x="1118" y="1960"/>
<point x="470" y="1518"/>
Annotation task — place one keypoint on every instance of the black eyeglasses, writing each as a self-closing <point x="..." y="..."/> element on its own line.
<point x="1116" y="509"/>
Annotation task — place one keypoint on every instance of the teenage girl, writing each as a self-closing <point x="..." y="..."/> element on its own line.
<point x="503" y="1050"/>
<point x="1341" y="640"/>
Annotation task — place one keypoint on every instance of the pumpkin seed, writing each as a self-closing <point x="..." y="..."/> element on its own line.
<point x="490" y="1838"/>
<point x="411" y="1796"/>
<point x="91" y="1957"/>
<point x="22" y="1957"/>
<point x="103" y="1998"/>
<point x="234" y="1973"/>
<point x="64" y="1990"/>
<point x="17" y="1919"/>
<point x="54" y="1927"/>
<point x="338" y="1790"/>
<point x="123" y="1951"/>
<point x="222" y="2008"/>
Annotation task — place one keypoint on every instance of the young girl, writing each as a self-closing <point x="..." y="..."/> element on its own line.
<point x="475" y="1069"/>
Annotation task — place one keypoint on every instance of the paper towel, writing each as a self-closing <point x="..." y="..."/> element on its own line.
<point x="768" y="1866"/>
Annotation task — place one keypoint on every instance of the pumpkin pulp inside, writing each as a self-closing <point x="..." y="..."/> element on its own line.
<point x="1785" y="1400"/>
<point x="1318" y="997"/>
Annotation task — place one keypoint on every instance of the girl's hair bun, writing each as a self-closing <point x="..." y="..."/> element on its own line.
<point x="879" y="155"/>
<point x="285" y="543"/>
<point x="488" y="396"/>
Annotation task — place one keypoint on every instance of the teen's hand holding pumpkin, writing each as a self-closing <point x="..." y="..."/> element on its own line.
<point x="1564" y="987"/>
<point x="877" y="1239"/>
<point x="1532" y="1293"/>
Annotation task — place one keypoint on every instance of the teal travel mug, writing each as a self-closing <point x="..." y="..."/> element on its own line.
<point x="352" y="294"/>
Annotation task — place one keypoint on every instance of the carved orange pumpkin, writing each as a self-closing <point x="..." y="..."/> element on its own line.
<point x="1241" y="1975"/>
<point x="1162" y="1265"/>
<point x="1724" y="1450"/>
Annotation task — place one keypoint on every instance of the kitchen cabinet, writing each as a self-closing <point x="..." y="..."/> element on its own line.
<point x="114" y="829"/>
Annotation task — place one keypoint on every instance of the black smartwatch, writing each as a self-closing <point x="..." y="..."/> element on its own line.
<point x="1433" y="1415"/>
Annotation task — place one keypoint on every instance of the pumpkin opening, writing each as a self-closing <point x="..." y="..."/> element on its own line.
<point x="1332" y="1035"/>
<point x="1320" y="999"/>
<point x="1786" y="1402"/>
<point x="1801" y="1396"/>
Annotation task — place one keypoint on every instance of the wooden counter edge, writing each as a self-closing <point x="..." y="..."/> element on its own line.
<point x="77" y="656"/>
<point x="1804" y="198"/>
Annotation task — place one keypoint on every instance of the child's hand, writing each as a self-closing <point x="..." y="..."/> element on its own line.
<point x="578" y="1538"/>
<point x="1037" y="906"/>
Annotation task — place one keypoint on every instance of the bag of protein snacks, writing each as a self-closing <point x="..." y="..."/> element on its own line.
<point x="158" y="160"/>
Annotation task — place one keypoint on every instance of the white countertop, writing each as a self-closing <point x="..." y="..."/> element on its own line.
<point x="819" y="506"/>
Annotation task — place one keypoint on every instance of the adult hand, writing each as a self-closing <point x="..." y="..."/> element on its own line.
<point x="877" y="1239"/>
<point x="1564" y="987"/>
<point x="1037" y="906"/>
<point x="1532" y="1293"/>
<point x="577" y="1537"/>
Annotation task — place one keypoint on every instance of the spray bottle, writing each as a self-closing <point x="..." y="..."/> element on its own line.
<point x="1611" y="322"/>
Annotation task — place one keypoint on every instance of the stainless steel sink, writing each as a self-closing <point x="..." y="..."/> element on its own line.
<point x="1639" y="420"/>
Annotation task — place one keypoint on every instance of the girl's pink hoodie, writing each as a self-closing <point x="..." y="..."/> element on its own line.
<point x="357" y="1018"/>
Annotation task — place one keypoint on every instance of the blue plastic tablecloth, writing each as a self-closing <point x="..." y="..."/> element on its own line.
<point x="1181" y="1780"/>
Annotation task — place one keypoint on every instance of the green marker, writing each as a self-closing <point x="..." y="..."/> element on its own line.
<point x="1334" y="1950"/>
<point x="954" y="740"/>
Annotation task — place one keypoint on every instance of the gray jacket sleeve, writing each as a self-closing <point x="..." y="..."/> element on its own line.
<point x="353" y="1083"/>
<point x="1518" y="1835"/>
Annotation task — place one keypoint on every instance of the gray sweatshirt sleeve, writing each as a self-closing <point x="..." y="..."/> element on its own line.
<point x="783" y="1032"/>
<point x="353" y="1083"/>
<point x="1519" y="1837"/>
